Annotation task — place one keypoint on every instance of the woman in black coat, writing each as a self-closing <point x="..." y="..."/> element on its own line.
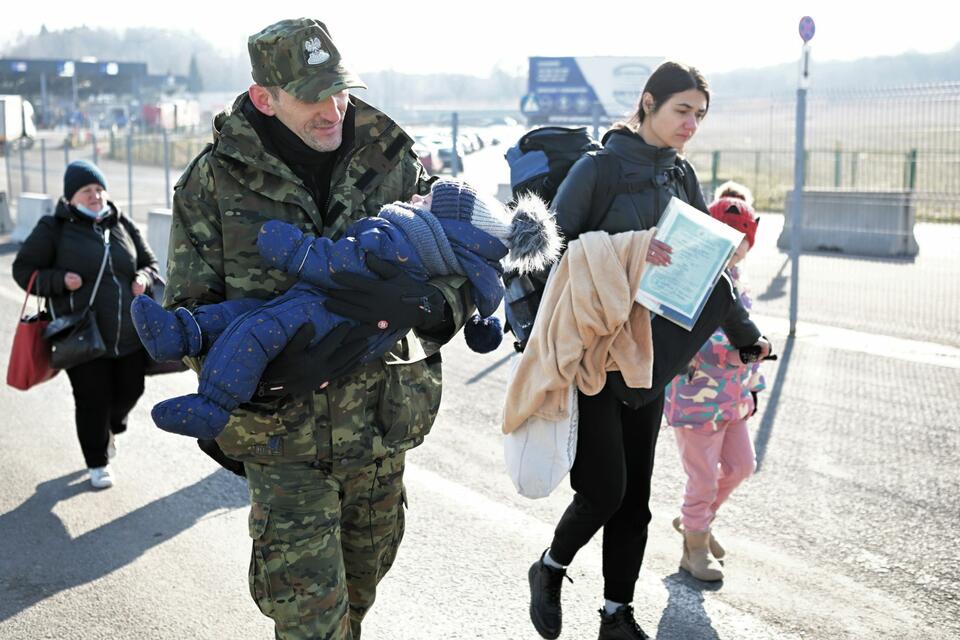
<point x="66" y="250"/>
<point x="618" y="427"/>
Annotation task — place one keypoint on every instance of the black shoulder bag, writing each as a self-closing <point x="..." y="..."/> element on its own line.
<point x="75" y="337"/>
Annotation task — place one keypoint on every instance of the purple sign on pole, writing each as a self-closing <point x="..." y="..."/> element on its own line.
<point x="807" y="28"/>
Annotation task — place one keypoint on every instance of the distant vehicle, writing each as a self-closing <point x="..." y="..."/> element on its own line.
<point x="429" y="156"/>
<point x="17" y="126"/>
<point x="171" y="114"/>
<point x="441" y="143"/>
<point x="114" y="117"/>
<point x="477" y="139"/>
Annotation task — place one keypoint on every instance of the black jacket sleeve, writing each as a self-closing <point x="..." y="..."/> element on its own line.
<point x="146" y="259"/>
<point x="39" y="253"/>
<point x="740" y="329"/>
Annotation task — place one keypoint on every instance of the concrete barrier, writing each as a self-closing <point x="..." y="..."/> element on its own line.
<point x="868" y="223"/>
<point x="158" y="235"/>
<point x="30" y="208"/>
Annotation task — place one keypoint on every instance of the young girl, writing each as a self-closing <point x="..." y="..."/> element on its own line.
<point x="709" y="405"/>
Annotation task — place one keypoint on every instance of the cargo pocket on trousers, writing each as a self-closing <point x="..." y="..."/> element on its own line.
<point x="270" y="584"/>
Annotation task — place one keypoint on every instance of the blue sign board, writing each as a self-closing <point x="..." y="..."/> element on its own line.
<point x="566" y="90"/>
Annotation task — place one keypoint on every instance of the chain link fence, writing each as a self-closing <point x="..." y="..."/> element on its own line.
<point x="881" y="215"/>
<point x="904" y="138"/>
<point x="881" y="208"/>
<point x="141" y="168"/>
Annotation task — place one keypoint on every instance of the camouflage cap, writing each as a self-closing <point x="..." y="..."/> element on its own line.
<point x="299" y="57"/>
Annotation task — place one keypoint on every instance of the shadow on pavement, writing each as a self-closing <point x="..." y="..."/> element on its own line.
<point x="496" y="365"/>
<point x="854" y="257"/>
<point x="41" y="559"/>
<point x="778" y="284"/>
<point x="762" y="437"/>
<point x="684" y="617"/>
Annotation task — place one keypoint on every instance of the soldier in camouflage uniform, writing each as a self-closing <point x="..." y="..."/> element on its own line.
<point x="325" y="465"/>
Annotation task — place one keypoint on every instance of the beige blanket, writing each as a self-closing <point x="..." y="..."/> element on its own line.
<point x="587" y="324"/>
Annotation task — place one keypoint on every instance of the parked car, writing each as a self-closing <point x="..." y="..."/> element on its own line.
<point x="429" y="156"/>
<point x="446" y="156"/>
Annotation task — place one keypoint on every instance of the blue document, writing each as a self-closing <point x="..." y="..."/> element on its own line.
<point x="702" y="246"/>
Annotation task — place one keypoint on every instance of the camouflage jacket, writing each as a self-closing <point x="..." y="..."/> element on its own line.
<point x="712" y="392"/>
<point x="219" y="204"/>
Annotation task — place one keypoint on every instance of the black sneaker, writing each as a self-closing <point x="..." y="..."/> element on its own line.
<point x="545" y="583"/>
<point x="620" y="625"/>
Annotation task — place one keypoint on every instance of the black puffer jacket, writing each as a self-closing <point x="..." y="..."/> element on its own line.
<point x="640" y="162"/>
<point x="70" y="241"/>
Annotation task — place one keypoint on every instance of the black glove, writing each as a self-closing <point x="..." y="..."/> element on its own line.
<point x="298" y="369"/>
<point x="212" y="449"/>
<point x="396" y="301"/>
<point x="752" y="353"/>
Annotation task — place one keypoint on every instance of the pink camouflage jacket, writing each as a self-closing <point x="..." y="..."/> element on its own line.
<point x="713" y="392"/>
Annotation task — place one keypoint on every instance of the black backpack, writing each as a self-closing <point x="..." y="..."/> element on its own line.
<point x="539" y="162"/>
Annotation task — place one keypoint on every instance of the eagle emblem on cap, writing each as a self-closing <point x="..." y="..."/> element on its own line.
<point x="315" y="48"/>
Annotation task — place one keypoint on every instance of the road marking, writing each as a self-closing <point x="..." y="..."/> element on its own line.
<point x="918" y="351"/>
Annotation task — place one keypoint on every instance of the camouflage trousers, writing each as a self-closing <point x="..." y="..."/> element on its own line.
<point x="322" y="541"/>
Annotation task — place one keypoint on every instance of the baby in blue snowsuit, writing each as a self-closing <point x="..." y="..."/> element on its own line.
<point x="454" y="230"/>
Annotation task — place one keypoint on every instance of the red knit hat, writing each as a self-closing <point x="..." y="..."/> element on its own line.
<point x="736" y="213"/>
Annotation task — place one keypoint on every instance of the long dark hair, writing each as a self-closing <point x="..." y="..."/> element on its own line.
<point x="668" y="79"/>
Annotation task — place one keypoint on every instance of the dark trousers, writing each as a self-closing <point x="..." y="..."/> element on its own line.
<point x="104" y="392"/>
<point x="611" y="477"/>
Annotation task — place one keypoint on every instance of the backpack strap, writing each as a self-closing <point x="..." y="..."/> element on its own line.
<point x="605" y="189"/>
<point x="687" y="180"/>
<point x="609" y="184"/>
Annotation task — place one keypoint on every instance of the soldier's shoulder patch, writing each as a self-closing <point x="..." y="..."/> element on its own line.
<point x="205" y="152"/>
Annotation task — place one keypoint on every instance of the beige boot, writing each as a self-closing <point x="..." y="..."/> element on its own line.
<point x="696" y="558"/>
<point x="716" y="549"/>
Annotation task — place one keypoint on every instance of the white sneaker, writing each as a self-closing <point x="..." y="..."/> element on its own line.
<point x="112" y="447"/>
<point x="101" y="478"/>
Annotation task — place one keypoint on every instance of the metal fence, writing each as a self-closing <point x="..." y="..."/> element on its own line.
<point x="141" y="168"/>
<point x="881" y="222"/>
<point x="904" y="138"/>
<point x="880" y="212"/>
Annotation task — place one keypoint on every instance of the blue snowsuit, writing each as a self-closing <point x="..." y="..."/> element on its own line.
<point x="243" y="335"/>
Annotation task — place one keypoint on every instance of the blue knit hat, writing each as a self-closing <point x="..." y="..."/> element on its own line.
<point x="528" y="230"/>
<point x="456" y="200"/>
<point x="79" y="174"/>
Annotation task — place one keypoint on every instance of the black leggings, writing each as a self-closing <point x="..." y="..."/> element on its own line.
<point x="611" y="476"/>
<point x="617" y="443"/>
<point x="104" y="392"/>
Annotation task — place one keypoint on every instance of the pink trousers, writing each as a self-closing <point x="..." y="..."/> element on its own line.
<point x="716" y="463"/>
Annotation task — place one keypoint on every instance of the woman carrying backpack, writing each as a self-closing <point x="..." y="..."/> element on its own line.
<point x="618" y="427"/>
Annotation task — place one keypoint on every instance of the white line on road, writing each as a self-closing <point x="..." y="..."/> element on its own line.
<point x="918" y="351"/>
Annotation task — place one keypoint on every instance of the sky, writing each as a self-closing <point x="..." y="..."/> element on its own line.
<point x="475" y="37"/>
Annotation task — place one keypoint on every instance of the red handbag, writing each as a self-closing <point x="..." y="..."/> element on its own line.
<point x="30" y="356"/>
